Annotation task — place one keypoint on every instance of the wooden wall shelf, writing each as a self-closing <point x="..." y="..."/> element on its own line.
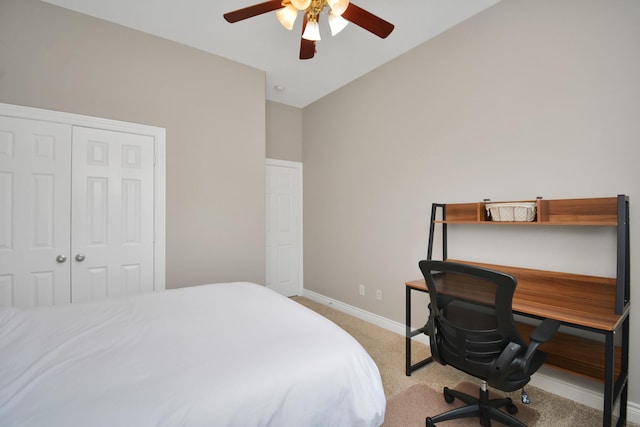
<point x="596" y="211"/>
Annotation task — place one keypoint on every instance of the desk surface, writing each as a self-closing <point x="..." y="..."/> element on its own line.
<point x="580" y="300"/>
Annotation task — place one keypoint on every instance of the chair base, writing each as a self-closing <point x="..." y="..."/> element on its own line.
<point x="483" y="408"/>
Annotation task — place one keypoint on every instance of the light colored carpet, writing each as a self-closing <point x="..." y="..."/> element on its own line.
<point x="410" y="408"/>
<point x="388" y="351"/>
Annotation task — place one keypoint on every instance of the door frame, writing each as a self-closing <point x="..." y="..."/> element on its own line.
<point x="297" y="166"/>
<point x="159" y="136"/>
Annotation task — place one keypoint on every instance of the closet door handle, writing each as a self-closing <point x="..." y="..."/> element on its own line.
<point x="80" y="257"/>
<point x="61" y="258"/>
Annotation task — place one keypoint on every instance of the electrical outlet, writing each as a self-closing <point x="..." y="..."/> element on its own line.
<point x="361" y="289"/>
<point x="379" y="295"/>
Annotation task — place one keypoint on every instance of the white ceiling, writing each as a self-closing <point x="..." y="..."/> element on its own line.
<point x="261" y="41"/>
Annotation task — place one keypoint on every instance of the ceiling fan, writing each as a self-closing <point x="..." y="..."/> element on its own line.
<point x="340" y="12"/>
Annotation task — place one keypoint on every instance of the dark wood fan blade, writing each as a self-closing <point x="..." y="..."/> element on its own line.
<point x="251" y="11"/>
<point x="307" y="47"/>
<point x="368" y="21"/>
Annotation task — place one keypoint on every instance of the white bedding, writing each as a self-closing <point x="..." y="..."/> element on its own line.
<point x="233" y="354"/>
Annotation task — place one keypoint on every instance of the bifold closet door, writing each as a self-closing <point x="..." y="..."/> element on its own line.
<point x="35" y="178"/>
<point x="77" y="208"/>
<point x="112" y="214"/>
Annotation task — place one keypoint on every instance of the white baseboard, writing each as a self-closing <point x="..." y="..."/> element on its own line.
<point x="548" y="379"/>
<point x="375" y="319"/>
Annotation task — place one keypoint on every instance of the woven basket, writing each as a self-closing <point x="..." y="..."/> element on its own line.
<point x="522" y="212"/>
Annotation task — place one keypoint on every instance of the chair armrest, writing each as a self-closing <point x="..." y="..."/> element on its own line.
<point x="507" y="356"/>
<point x="545" y="331"/>
<point x="504" y="365"/>
<point x="540" y="335"/>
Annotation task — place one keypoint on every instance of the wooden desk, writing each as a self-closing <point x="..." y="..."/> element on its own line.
<point x="564" y="297"/>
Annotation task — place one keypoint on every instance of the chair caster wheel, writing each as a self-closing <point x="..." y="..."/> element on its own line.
<point x="512" y="409"/>
<point x="448" y="397"/>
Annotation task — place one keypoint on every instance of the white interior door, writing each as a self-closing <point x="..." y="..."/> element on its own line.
<point x="112" y="213"/>
<point x="35" y="177"/>
<point x="284" y="226"/>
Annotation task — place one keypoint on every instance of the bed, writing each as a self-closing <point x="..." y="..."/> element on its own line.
<point x="232" y="354"/>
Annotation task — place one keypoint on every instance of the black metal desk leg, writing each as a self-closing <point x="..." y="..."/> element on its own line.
<point x="409" y="336"/>
<point x="624" y="372"/>
<point x="609" y="364"/>
<point x="408" y="331"/>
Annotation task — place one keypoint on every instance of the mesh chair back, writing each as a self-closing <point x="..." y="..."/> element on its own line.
<point x="471" y="319"/>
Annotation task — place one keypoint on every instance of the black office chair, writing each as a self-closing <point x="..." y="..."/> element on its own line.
<point x="471" y="328"/>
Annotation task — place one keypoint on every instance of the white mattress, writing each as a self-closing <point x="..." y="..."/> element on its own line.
<point x="233" y="354"/>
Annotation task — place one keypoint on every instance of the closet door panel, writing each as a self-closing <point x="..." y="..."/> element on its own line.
<point x="113" y="188"/>
<point x="35" y="177"/>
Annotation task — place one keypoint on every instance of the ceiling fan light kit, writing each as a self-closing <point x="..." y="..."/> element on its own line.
<point x="312" y="30"/>
<point x="338" y="6"/>
<point x="287" y="16"/>
<point x="336" y="23"/>
<point x="301" y="4"/>
<point x="341" y="12"/>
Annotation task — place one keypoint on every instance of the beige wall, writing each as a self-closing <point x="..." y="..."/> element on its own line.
<point x="529" y="98"/>
<point x="284" y="132"/>
<point x="213" y="110"/>
<point x="525" y="99"/>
